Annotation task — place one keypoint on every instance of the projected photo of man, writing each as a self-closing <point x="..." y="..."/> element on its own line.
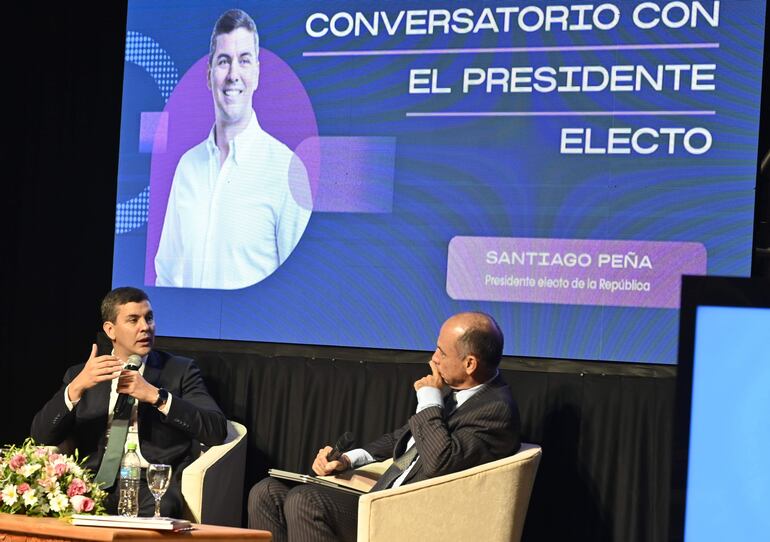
<point x="232" y="217"/>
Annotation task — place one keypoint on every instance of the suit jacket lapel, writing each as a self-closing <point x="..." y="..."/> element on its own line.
<point x="152" y="374"/>
<point x="401" y="443"/>
<point x="152" y="370"/>
<point x="479" y="396"/>
<point x="452" y="421"/>
<point x="99" y="399"/>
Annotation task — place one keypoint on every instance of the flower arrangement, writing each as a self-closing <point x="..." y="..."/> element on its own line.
<point x="38" y="481"/>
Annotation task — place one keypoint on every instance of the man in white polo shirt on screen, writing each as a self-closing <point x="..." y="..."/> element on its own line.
<point x="233" y="215"/>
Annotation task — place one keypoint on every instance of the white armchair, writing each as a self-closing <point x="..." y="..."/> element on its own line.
<point x="212" y="485"/>
<point x="488" y="502"/>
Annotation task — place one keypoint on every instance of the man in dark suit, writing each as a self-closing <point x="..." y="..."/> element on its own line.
<point x="465" y="416"/>
<point x="171" y="406"/>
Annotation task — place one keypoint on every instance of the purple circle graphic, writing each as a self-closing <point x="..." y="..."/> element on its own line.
<point x="282" y="106"/>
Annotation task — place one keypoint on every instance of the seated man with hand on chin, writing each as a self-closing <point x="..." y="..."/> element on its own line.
<point x="465" y="416"/>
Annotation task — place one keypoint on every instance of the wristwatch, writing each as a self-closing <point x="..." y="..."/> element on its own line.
<point x="162" y="398"/>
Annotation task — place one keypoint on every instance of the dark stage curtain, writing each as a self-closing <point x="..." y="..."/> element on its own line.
<point x="606" y="437"/>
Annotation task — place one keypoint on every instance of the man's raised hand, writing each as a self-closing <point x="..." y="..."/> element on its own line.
<point x="132" y="383"/>
<point x="97" y="369"/>
<point x="433" y="380"/>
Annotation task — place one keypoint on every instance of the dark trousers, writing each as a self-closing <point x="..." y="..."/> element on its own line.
<point x="304" y="512"/>
<point x="170" y="504"/>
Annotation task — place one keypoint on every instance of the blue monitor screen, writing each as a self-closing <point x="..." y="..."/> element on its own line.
<point x="728" y="481"/>
<point x="720" y="477"/>
<point x="351" y="173"/>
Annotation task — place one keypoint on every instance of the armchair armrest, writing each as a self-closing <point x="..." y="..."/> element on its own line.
<point x="419" y="511"/>
<point x="212" y="485"/>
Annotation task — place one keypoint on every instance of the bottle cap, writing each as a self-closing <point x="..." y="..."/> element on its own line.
<point x="131" y="446"/>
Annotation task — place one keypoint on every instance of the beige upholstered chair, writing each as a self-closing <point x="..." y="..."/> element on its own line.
<point x="488" y="503"/>
<point x="212" y="485"/>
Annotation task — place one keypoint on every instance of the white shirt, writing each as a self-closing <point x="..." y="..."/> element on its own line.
<point x="230" y="227"/>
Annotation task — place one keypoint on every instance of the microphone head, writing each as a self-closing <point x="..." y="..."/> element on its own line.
<point x="133" y="363"/>
<point x="345" y="442"/>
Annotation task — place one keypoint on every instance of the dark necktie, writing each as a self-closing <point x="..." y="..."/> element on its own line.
<point x="108" y="470"/>
<point x="402" y="462"/>
<point x="396" y="469"/>
<point x="450" y="402"/>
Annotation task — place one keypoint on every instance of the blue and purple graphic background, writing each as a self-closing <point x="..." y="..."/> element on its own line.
<point x="396" y="177"/>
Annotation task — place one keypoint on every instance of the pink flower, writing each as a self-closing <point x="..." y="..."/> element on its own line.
<point x="23" y="488"/>
<point x="41" y="452"/>
<point x="53" y="457"/>
<point x="17" y="461"/>
<point x="47" y="482"/>
<point x="77" y="487"/>
<point x="60" y="468"/>
<point x="81" y="503"/>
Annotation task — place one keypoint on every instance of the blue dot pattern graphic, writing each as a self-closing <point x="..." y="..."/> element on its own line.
<point x="146" y="53"/>
<point x="132" y="214"/>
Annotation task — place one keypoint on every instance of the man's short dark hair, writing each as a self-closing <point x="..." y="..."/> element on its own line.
<point x="120" y="296"/>
<point x="483" y="339"/>
<point x="230" y="20"/>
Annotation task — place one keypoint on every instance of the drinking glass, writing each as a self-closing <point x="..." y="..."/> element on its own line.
<point x="158" y="478"/>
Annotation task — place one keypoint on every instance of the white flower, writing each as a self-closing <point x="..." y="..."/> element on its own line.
<point x="29" y="469"/>
<point x="58" y="501"/>
<point x="9" y="495"/>
<point x="33" y="480"/>
<point x="30" y="498"/>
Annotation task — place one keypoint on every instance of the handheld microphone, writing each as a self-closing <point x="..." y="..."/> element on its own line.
<point x="133" y="364"/>
<point x="343" y="444"/>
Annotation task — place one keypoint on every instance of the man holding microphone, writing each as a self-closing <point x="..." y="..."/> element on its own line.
<point x="465" y="416"/>
<point x="161" y="404"/>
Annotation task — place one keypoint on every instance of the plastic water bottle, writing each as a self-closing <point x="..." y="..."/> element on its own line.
<point x="130" y="470"/>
